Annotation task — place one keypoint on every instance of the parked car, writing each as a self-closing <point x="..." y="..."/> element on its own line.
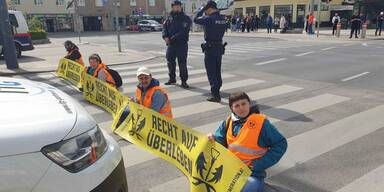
<point x="20" y="30"/>
<point x="49" y="142"/>
<point x="150" y="25"/>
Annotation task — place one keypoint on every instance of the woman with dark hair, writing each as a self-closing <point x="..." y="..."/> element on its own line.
<point x="99" y="70"/>
<point x="252" y="138"/>
<point x="73" y="52"/>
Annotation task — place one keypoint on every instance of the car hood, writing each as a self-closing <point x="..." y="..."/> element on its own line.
<point x="34" y="115"/>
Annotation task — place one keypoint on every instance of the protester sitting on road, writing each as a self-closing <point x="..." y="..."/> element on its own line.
<point x="150" y="94"/>
<point x="73" y="52"/>
<point x="252" y="138"/>
<point x="99" y="70"/>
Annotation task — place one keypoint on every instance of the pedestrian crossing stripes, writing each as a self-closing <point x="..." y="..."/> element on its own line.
<point x="302" y="147"/>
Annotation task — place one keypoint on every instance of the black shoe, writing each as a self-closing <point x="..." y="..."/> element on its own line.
<point x="184" y="85"/>
<point x="214" y="99"/>
<point x="170" y="83"/>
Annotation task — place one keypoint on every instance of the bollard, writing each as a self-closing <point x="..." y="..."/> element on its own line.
<point x="364" y="31"/>
<point x="338" y="29"/>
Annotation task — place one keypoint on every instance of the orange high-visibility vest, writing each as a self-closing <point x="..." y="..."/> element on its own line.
<point x="245" y="145"/>
<point x="109" y="77"/>
<point x="79" y="60"/>
<point x="147" y="102"/>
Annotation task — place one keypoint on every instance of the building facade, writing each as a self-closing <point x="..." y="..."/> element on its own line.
<point x="91" y="15"/>
<point x="52" y="13"/>
<point x="294" y="10"/>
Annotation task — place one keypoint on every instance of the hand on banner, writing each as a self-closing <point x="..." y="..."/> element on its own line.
<point x="211" y="138"/>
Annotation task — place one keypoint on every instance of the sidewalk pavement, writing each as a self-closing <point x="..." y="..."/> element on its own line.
<point x="325" y="35"/>
<point x="45" y="58"/>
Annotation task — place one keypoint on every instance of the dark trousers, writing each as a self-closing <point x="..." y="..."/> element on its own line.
<point x="179" y="52"/>
<point x="354" y="31"/>
<point x="379" y="28"/>
<point x="334" y="29"/>
<point x="269" y="28"/>
<point x="212" y="60"/>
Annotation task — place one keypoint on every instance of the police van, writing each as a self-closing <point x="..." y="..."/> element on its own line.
<point x="20" y="33"/>
<point x="49" y="142"/>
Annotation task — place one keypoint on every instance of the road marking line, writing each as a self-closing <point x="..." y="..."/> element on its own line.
<point x="306" y="53"/>
<point x="355" y="76"/>
<point x="133" y="72"/>
<point x="328" y="48"/>
<point x="163" y="76"/>
<point x="174" y="185"/>
<point x="311" y="144"/>
<point x="270" y="61"/>
<point x="135" y="67"/>
<point x="372" y="181"/>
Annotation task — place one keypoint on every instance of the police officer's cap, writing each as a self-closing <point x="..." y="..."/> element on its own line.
<point x="211" y="4"/>
<point x="176" y="2"/>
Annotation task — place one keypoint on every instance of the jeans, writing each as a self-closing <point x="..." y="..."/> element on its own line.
<point x="253" y="185"/>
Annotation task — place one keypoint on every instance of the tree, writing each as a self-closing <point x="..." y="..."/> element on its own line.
<point x="34" y="24"/>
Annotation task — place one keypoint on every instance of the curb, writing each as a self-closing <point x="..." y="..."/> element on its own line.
<point x="22" y="72"/>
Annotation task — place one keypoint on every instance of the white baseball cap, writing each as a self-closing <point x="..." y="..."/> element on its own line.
<point x="143" y="71"/>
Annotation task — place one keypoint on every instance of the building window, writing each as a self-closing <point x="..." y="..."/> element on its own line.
<point x="250" y="11"/>
<point x="15" y="2"/>
<point x="152" y="3"/>
<point x="38" y="2"/>
<point x="133" y="3"/>
<point x="59" y="2"/>
<point x="100" y="3"/>
<point x="81" y="3"/>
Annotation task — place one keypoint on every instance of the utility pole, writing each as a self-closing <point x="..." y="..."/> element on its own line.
<point x="9" y="49"/>
<point x="318" y="17"/>
<point x="77" y="16"/>
<point x="311" y="6"/>
<point x="117" y="5"/>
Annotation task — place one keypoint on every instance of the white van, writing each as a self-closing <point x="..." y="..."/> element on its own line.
<point x="20" y="30"/>
<point x="48" y="142"/>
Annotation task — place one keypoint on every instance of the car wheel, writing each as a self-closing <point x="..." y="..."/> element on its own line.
<point x="18" y="50"/>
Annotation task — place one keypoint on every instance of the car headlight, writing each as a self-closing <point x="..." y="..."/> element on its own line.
<point x="77" y="153"/>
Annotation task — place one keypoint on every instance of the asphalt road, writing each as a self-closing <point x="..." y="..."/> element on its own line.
<point x="325" y="97"/>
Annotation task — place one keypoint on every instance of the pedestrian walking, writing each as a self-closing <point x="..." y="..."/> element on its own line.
<point x="311" y="22"/>
<point x="283" y="24"/>
<point x="213" y="48"/>
<point x="250" y="136"/>
<point x="269" y="23"/>
<point x="248" y="23"/>
<point x="243" y="24"/>
<point x="335" y="20"/>
<point x="150" y="94"/>
<point x="256" y="22"/>
<point x="73" y="52"/>
<point x="238" y="23"/>
<point x="380" y="21"/>
<point x="276" y="24"/>
<point x="176" y="36"/>
<point x="355" y="25"/>
<point x="363" y="20"/>
<point x="233" y="22"/>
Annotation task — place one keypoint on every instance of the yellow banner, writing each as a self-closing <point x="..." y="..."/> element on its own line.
<point x="102" y="94"/>
<point x="209" y="166"/>
<point x="70" y="71"/>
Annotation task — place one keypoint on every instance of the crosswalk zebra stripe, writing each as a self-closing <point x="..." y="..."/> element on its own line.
<point x="304" y="106"/>
<point x="323" y="139"/>
<point x="162" y="76"/>
<point x="372" y="182"/>
<point x="227" y="86"/>
<point x="134" y="155"/>
<point x="133" y="72"/>
<point x="135" y="67"/>
<point x="208" y="106"/>
<point x="175" y="185"/>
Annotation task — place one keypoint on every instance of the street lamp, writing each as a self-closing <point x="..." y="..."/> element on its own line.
<point x="117" y="5"/>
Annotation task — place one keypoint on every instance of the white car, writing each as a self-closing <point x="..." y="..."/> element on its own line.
<point x="150" y="25"/>
<point x="48" y="142"/>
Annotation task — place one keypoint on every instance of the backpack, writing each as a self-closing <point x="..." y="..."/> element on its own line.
<point x="116" y="76"/>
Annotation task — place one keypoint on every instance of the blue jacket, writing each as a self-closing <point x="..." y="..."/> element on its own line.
<point x="214" y="25"/>
<point x="158" y="98"/>
<point x="269" y="20"/>
<point x="269" y="138"/>
<point x="177" y="27"/>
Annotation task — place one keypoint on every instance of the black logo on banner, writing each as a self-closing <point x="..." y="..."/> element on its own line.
<point x="138" y="124"/>
<point x="89" y="88"/>
<point x="62" y="68"/>
<point x="207" y="177"/>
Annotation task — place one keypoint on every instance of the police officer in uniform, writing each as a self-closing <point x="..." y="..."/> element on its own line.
<point x="176" y="36"/>
<point x="214" y="28"/>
